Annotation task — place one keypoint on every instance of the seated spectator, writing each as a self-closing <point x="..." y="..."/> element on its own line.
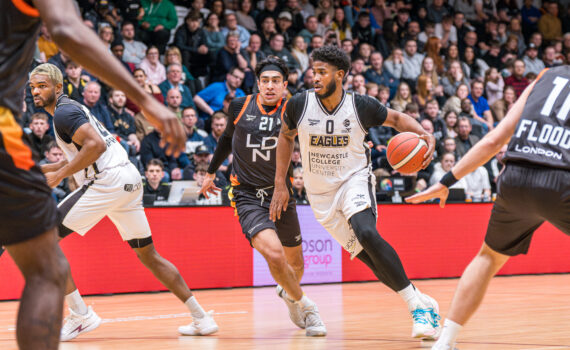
<point x="494" y="85"/>
<point x="59" y="60"/>
<point x="551" y="56"/>
<point x="496" y="167"/>
<point x="402" y="98"/>
<point x="73" y="83"/>
<point x="194" y="135"/>
<point x="384" y="95"/>
<point x="412" y="66"/>
<point x="378" y="75"/>
<point x="480" y="105"/>
<point x="266" y="30"/>
<point x="143" y="126"/>
<point x="212" y="97"/>
<point x="446" y="162"/>
<point x="432" y="49"/>
<point x="450" y="119"/>
<point x="453" y="78"/>
<point x="449" y="146"/>
<point x="173" y="101"/>
<point x="123" y="122"/>
<point x="200" y="161"/>
<point x="106" y="35"/>
<point x="135" y="51"/>
<point x="299" y="52"/>
<point x="154" y="70"/>
<point x="158" y="20"/>
<point x="467" y="111"/>
<point x="316" y="42"/>
<point x="245" y="15"/>
<point x="464" y="140"/>
<point x="446" y="32"/>
<point x="174" y="81"/>
<point x="500" y="108"/>
<point x="453" y="103"/>
<point x="493" y="56"/>
<point x="429" y="31"/>
<point x="362" y="31"/>
<point x="154" y="184"/>
<point x="277" y="48"/>
<point x="173" y="56"/>
<point x="299" y="193"/>
<point x="533" y="64"/>
<point x="431" y="112"/>
<point x="428" y="69"/>
<point x="394" y="63"/>
<point x="190" y="38"/>
<point x="296" y="156"/>
<point x="198" y="175"/>
<point x="474" y="67"/>
<point x="412" y="110"/>
<point x="228" y="57"/>
<point x="311" y="26"/>
<point x="39" y="137"/>
<point x="451" y="56"/>
<point x="341" y="26"/>
<point x="364" y="52"/>
<point x="118" y="50"/>
<point x="218" y="125"/>
<point x="424" y="92"/>
<point x="54" y="154"/>
<point x="285" y="27"/>
<point x="215" y="39"/>
<point x="150" y="148"/>
<point x="232" y="26"/>
<point x="359" y="84"/>
<point x="92" y="100"/>
<point x="478" y="187"/>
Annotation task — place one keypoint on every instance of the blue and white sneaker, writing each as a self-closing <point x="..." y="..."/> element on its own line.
<point x="426" y="318"/>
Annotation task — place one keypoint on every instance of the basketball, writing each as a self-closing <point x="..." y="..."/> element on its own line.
<point x="406" y="152"/>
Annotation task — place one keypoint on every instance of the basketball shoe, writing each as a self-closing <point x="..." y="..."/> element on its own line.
<point x="443" y="347"/>
<point x="76" y="324"/>
<point x="426" y="317"/>
<point x="314" y="326"/>
<point x="200" y="326"/>
<point x="295" y="313"/>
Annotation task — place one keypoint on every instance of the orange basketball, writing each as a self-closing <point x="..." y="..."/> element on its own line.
<point x="406" y="152"/>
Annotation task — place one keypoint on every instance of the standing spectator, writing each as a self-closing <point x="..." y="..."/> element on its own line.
<point x="210" y="100"/>
<point x="150" y="149"/>
<point x="154" y="70"/>
<point x="412" y="66"/>
<point x="154" y="184"/>
<point x="378" y="75"/>
<point x="517" y="79"/>
<point x="191" y="40"/>
<point x="311" y="26"/>
<point x="453" y="78"/>
<point x="174" y="81"/>
<point x="194" y="136"/>
<point x="480" y="104"/>
<point x="501" y="106"/>
<point x="73" y="83"/>
<point x="92" y="99"/>
<point x="215" y="40"/>
<point x="532" y="63"/>
<point x="494" y="85"/>
<point x="158" y="20"/>
<point x="123" y="122"/>
<point x="233" y="27"/>
<point x="530" y="17"/>
<point x="299" y="52"/>
<point x="277" y="48"/>
<point x="173" y="100"/>
<point x="245" y="16"/>
<point x="135" y="51"/>
<point x="464" y="140"/>
<point x="402" y="98"/>
<point x="549" y="24"/>
<point x="39" y="138"/>
<point x="228" y="57"/>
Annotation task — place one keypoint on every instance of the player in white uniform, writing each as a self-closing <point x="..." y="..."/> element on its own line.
<point x="109" y="185"/>
<point x="332" y="125"/>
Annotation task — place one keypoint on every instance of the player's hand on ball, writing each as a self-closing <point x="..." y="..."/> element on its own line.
<point x="170" y="128"/>
<point x="279" y="202"/>
<point x="430" y="140"/>
<point x="436" y="191"/>
<point x="208" y="186"/>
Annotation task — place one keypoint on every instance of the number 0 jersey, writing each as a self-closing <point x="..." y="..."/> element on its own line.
<point x="333" y="146"/>
<point x="69" y="116"/>
<point x="542" y="135"/>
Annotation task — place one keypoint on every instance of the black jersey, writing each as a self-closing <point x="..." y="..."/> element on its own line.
<point x="542" y="135"/>
<point x="253" y="130"/>
<point x="19" y="29"/>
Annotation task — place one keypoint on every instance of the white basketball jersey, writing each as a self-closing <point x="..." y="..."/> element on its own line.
<point x="333" y="146"/>
<point x="114" y="156"/>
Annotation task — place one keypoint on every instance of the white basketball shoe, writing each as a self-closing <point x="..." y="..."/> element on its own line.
<point x="200" y="326"/>
<point x="314" y="326"/>
<point x="295" y="312"/>
<point x="443" y="347"/>
<point x="76" y="324"/>
<point x="426" y="318"/>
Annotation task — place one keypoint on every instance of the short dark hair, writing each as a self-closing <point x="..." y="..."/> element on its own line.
<point x="50" y="145"/>
<point x="155" y="161"/>
<point x="334" y="56"/>
<point x="272" y="60"/>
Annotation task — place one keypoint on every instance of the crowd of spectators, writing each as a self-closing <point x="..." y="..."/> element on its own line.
<point x="457" y="66"/>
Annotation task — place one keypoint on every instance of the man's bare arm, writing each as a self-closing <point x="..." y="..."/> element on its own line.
<point x="48" y="168"/>
<point x="284" y="150"/>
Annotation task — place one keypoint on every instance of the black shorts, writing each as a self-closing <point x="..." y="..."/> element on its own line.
<point x="253" y="213"/>
<point x="27" y="208"/>
<point x="527" y="196"/>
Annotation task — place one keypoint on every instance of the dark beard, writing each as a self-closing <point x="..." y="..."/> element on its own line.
<point x="331" y="88"/>
<point x="47" y="102"/>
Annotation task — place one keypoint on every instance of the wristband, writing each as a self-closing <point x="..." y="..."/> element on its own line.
<point x="448" y="179"/>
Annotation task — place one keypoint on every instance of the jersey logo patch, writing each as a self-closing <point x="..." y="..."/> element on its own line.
<point x="313" y="122"/>
<point x="250" y="117"/>
<point x="329" y="140"/>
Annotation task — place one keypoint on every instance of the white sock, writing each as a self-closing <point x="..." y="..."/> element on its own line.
<point x="305" y="301"/>
<point x="195" y="308"/>
<point x="449" y="334"/>
<point x="410" y="296"/>
<point x="76" y="303"/>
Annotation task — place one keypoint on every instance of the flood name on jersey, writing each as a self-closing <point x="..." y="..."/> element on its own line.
<point x="549" y="134"/>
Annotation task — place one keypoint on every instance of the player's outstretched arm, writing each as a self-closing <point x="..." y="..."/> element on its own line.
<point x="403" y="122"/>
<point x="284" y="151"/>
<point x="48" y="168"/>
<point x="480" y="153"/>
<point x="83" y="46"/>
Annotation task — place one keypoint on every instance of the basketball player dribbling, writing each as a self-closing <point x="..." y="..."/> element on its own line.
<point x="252" y="133"/>
<point x="28" y="212"/>
<point x="332" y="126"/>
<point x="534" y="187"/>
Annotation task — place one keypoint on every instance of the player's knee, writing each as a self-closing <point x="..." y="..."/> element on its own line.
<point x="275" y="257"/>
<point x="364" y="226"/>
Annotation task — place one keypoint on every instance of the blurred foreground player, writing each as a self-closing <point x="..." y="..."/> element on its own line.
<point x="337" y="171"/>
<point x="109" y="185"/>
<point x="534" y="187"/>
<point x="251" y="133"/>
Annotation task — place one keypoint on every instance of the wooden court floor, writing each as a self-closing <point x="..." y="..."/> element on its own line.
<point x="525" y="312"/>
